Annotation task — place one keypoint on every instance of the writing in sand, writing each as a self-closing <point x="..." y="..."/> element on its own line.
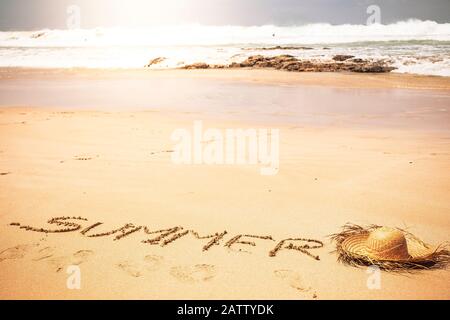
<point x="165" y="237"/>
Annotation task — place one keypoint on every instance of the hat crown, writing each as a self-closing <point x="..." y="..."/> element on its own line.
<point x="388" y="243"/>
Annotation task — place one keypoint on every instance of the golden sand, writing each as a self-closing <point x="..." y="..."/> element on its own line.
<point x="146" y="228"/>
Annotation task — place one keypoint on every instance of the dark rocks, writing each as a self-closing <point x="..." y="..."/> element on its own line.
<point x="286" y="48"/>
<point x="251" y="61"/>
<point x="358" y="60"/>
<point x="265" y="62"/>
<point x="235" y="65"/>
<point x="290" y="63"/>
<point x="155" y="61"/>
<point x="342" y="57"/>
<point x="371" y="68"/>
<point x="37" y="35"/>
<point x="198" y="65"/>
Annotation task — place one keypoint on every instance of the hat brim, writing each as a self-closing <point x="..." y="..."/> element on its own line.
<point x="423" y="256"/>
<point x="356" y="245"/>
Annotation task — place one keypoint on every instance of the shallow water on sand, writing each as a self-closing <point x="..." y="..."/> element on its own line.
<point x="238" y="100"/>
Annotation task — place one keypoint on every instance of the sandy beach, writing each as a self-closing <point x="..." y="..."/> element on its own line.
<point x="96" y="145"/>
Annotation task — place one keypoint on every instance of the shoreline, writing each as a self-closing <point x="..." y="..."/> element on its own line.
<point x="263" y="76"/>
<point x="386" y="101"/>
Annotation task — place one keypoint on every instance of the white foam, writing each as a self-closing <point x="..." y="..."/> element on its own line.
<point x="229" y="35"/>
<point x="412" y="46"/>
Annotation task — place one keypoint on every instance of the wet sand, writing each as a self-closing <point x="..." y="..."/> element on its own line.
<point x="70" y="149"/>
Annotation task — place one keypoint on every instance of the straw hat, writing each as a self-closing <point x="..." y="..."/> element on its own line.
<point x="387" y="244"/>
<point x="389" y="248"/>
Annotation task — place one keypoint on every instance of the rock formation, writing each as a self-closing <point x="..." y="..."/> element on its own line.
<point x="290" y="63"/>
<point x="155" y="61"/>
<point x="342" y="57"/>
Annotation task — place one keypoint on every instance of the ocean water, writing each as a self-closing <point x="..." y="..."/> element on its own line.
<point x="414" y="46"/>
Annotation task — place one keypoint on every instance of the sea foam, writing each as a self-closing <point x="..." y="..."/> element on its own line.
<point x="412" y="46"/>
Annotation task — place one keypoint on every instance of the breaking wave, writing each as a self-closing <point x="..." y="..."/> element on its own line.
<point x="411" y="46"/>
<point x="229" y="35"/>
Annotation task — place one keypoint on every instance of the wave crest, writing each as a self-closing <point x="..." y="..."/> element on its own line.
<point x="230" y="35"/>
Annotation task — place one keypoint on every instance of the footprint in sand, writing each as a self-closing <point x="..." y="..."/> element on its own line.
<point x="295" y="281"/>
<point x="192" y="274"/>
<point x="83" y="158"/>
<point x="153" y="262"/>
<point x="44" y="253"/>
<point x="162" y="151"/>
<point x="17" y="252"/>
<point x="137" y="269"/>
<point x="131" y="268"/>
<point x="60" y="263"/>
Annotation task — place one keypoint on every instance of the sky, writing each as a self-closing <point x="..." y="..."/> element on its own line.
<point x="18" y="15"/>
